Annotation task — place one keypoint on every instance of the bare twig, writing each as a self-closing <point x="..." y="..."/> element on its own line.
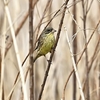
<point x="95" y="53"/>
<point x="74" y="52"/>
<point x="12" y="90"/>
<point x="89" y="7"/>
<point x="16" y="82"/>
<point x="86" y="51"/>
<point x="99" y="82"/>
<point x="63" y="98"/>
<point x="2" y="64"/>
<point x="32" y="92"/>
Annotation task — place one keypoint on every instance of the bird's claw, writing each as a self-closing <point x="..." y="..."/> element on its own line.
<point x="49" y="61"/>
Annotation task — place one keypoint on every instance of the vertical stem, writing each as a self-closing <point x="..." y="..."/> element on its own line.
<point x="86" y="51"/>
<point x="74" y="51"/>
<point x="49" y="12"/>
<point x="2" y="54"/>
<point x="30" y="50"/>
<point x="99" y="83"/>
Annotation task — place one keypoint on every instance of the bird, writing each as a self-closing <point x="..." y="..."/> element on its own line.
<point x="45" y="43"/>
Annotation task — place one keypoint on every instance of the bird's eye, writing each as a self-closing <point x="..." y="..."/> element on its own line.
<point x="49" y="30"/>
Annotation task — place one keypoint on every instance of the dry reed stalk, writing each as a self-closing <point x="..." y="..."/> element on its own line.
<point x="75" y="67"/>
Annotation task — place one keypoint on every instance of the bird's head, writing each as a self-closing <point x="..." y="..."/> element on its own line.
<point x="49" y="30"/>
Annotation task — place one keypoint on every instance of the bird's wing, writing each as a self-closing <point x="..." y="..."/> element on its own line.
<point x="40" y="42"/>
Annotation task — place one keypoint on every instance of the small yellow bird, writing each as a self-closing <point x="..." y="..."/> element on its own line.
<point x="45" y="44"/>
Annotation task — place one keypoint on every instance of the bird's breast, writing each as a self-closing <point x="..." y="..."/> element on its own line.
<point x="49" y="41"/>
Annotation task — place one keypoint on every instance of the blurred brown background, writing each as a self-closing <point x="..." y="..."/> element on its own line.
<point x="61" y="67"/>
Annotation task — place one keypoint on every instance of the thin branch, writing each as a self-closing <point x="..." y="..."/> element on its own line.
<point x="95" y="53"/>
<point x="9" y="97"/>
<point x="16" y="82"/>
<point x="63" y="98"/>
<point x="74" y="52"/>
<point x="99" y="82"/>
<point x="89" y="7"/>
<point x="31" y="65"/>
<point x="86" y="51"/>
<point x="2" y="60"/>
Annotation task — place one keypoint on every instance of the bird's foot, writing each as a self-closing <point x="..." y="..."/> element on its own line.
<point x="49" y="61"/>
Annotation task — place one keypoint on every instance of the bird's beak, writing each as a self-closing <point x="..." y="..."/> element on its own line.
<point x="53" y="30"/>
